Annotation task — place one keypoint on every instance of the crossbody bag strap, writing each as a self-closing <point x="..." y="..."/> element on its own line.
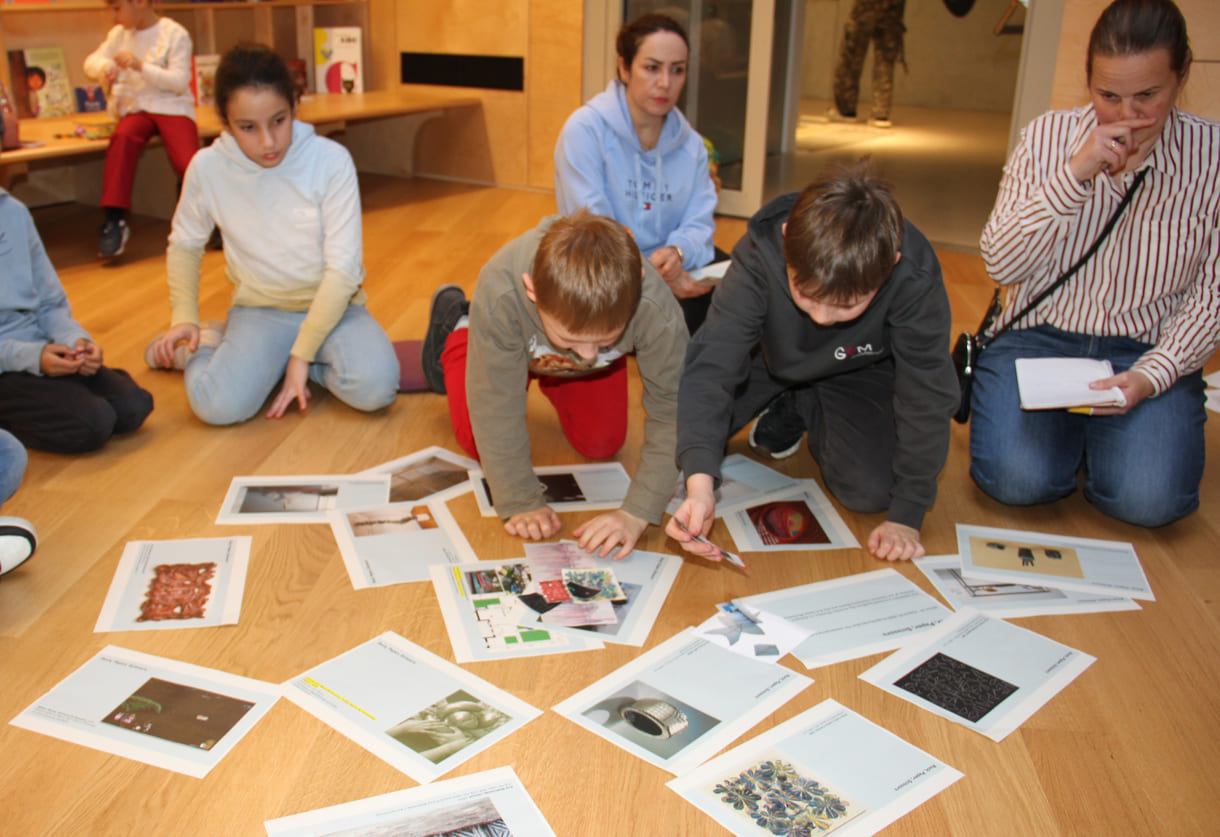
<point x="984" y="340"/>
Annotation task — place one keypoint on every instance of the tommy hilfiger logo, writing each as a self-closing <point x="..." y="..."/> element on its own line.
<point x="848" y="352"/>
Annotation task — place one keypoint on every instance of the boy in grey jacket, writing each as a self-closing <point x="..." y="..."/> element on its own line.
<point x="563" y="304"/>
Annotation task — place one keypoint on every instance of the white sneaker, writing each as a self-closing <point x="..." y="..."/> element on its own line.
<point x="880" y="123"/>
<point x="17" y="542"/>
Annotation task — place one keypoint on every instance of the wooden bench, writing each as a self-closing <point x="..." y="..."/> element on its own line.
<point x="378" y="127"/>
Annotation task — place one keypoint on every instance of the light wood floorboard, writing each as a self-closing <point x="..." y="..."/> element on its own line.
<point x="1131" y="747"/>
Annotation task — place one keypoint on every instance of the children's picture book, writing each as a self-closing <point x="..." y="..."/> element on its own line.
<point x="596" y="486"/>
<point x="161" y="585"/>
<point x="203" y="79"/>
<point x="829" y="769"/>
<point x="416" y="711"/>
<point x="307" y="499"/>
<point x="481" y="604"/>
<point x="1085" y="565"/>
<point x="742" y="480"/>
<point x="795" y="518"/>
<point x="683" y="701"/>
<point x="983" y="673"/>
<point x="169" y="714"/>
<point x="40" y="82"/>
<point x="1010" y="599"/>
<point x="616" y="601"/>
<point x="853" y="616"/>
<point x="493" y="803"/>
<point x="426" y="474"/>
<point x="338" y="60"/>
<point x="396" y="543"/>
<point x="90" y="98"/>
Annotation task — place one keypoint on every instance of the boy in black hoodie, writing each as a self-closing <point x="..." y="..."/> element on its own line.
<point x="832" y="319"/>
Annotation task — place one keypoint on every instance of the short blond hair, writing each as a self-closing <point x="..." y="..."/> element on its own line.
<point x="588" y="273"/>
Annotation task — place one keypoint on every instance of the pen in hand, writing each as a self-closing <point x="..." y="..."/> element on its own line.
<point x="724" y="553"/>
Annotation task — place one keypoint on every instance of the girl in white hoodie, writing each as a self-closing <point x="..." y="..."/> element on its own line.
<point x="288" y="204"/>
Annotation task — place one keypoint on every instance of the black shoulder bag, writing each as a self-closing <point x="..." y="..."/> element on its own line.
<point x="969" y="346"/>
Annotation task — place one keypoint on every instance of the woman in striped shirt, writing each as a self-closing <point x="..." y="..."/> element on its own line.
<point x="1148" y="300"/>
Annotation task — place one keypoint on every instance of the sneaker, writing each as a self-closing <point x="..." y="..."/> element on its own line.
<point x="880" y="123"/>
<point x="778" y="430"/>
<point x="834" y="116"/>
<point x="449" y="305"/>
<point x="17" y="542"/>
<point x="112" y="238"/>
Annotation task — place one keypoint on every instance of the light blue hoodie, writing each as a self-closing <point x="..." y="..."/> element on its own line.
<point x="34" y="309"/>
<point x="664" y="196"/>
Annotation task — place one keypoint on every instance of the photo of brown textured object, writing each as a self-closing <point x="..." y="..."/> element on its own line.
<point x="179" y="591"/>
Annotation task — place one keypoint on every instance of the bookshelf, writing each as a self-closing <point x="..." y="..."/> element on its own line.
<point x="78" y="27"/>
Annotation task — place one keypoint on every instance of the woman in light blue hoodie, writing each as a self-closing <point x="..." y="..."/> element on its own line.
<point x="630" y="154"/>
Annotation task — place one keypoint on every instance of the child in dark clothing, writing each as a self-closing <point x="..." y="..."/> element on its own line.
<point x="55" y="394"/>
<point x="846" y="306"/>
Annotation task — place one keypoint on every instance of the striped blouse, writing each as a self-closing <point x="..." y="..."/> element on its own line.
<point x="1157" y="277"/>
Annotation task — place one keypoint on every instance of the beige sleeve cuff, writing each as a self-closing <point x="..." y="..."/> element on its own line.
<point x="183" y="266"/>
<point x="334" y="294"/>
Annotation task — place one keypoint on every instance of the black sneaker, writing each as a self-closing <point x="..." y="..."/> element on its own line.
<point x="112" y="238"/>
<point x="448" y="306"/>
<point x="779" y="428"/>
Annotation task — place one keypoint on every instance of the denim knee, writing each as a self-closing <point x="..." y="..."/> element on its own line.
<point x="220" y="411"/>
<point x="1139" y="506"/>
<point x="1016" y="487"/>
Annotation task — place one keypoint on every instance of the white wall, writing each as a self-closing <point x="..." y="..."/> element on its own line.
<point x="953" y="62"/>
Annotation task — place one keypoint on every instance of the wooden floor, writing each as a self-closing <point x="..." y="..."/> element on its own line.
<point x="1131" y="747"/>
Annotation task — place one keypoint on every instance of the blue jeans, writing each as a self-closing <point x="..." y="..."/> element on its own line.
<point x="12" y="464"/>
<point x="228" y="383"/>
<point x="1143" y="467"/>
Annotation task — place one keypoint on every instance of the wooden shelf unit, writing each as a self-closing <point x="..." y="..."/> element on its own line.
<point x="286" y="25"/>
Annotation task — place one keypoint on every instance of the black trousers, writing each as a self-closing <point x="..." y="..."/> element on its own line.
<point x="850" y="420"/>
<point x="71" y="413"/>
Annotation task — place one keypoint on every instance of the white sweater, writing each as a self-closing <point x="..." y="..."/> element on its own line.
<point x="293" y="234"/>
<point x="163" y="83"/>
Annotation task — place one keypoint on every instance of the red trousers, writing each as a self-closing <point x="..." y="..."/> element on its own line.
<point x="181" y="138"/>
<point x="592" y="408"/>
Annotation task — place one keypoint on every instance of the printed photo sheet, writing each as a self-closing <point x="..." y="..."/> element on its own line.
<point x="615" y="601"/>
<point x="431" y="473"/>
<point x="795" y="518"/>
<point x="398" y="542"/>
<point x="826" y="770"/>
<point x="853" y="616"/>
<point x="742" y="480"/>
<point x="299" y="499"/>
<point x="414" y="710"/>
<point x="983" y="673"/>
<point x="1010" y="599"/>
<point x="567" y="488"/>
<point x="486" y="619"/>
<point x="493" y="803"/>
<point x="680" y="703"/>
<point x="191" y="583"/>
<point x="1083" y="564"/>
<point x="172" y="715"/>
<point x="752" y="633"/>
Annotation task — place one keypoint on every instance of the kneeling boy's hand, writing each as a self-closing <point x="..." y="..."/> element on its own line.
<point x="695" y="517"/>
<point x="533" y="525"/>
<point x="895" y="542"/>
<point x="616" y="528"/>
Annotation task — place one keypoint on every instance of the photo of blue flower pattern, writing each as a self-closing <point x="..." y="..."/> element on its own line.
<point x="779" y="800"/>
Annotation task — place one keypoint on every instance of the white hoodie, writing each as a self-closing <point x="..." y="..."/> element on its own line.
<point x="292" y="233"/>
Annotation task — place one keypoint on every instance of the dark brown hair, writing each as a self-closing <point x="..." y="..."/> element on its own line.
<point x="1132" y="27"/>
<point x="587" y="274"/>
<point x="252" y="65"/>
<point x="843" y="236"/>
<point x="627" y="44"/>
